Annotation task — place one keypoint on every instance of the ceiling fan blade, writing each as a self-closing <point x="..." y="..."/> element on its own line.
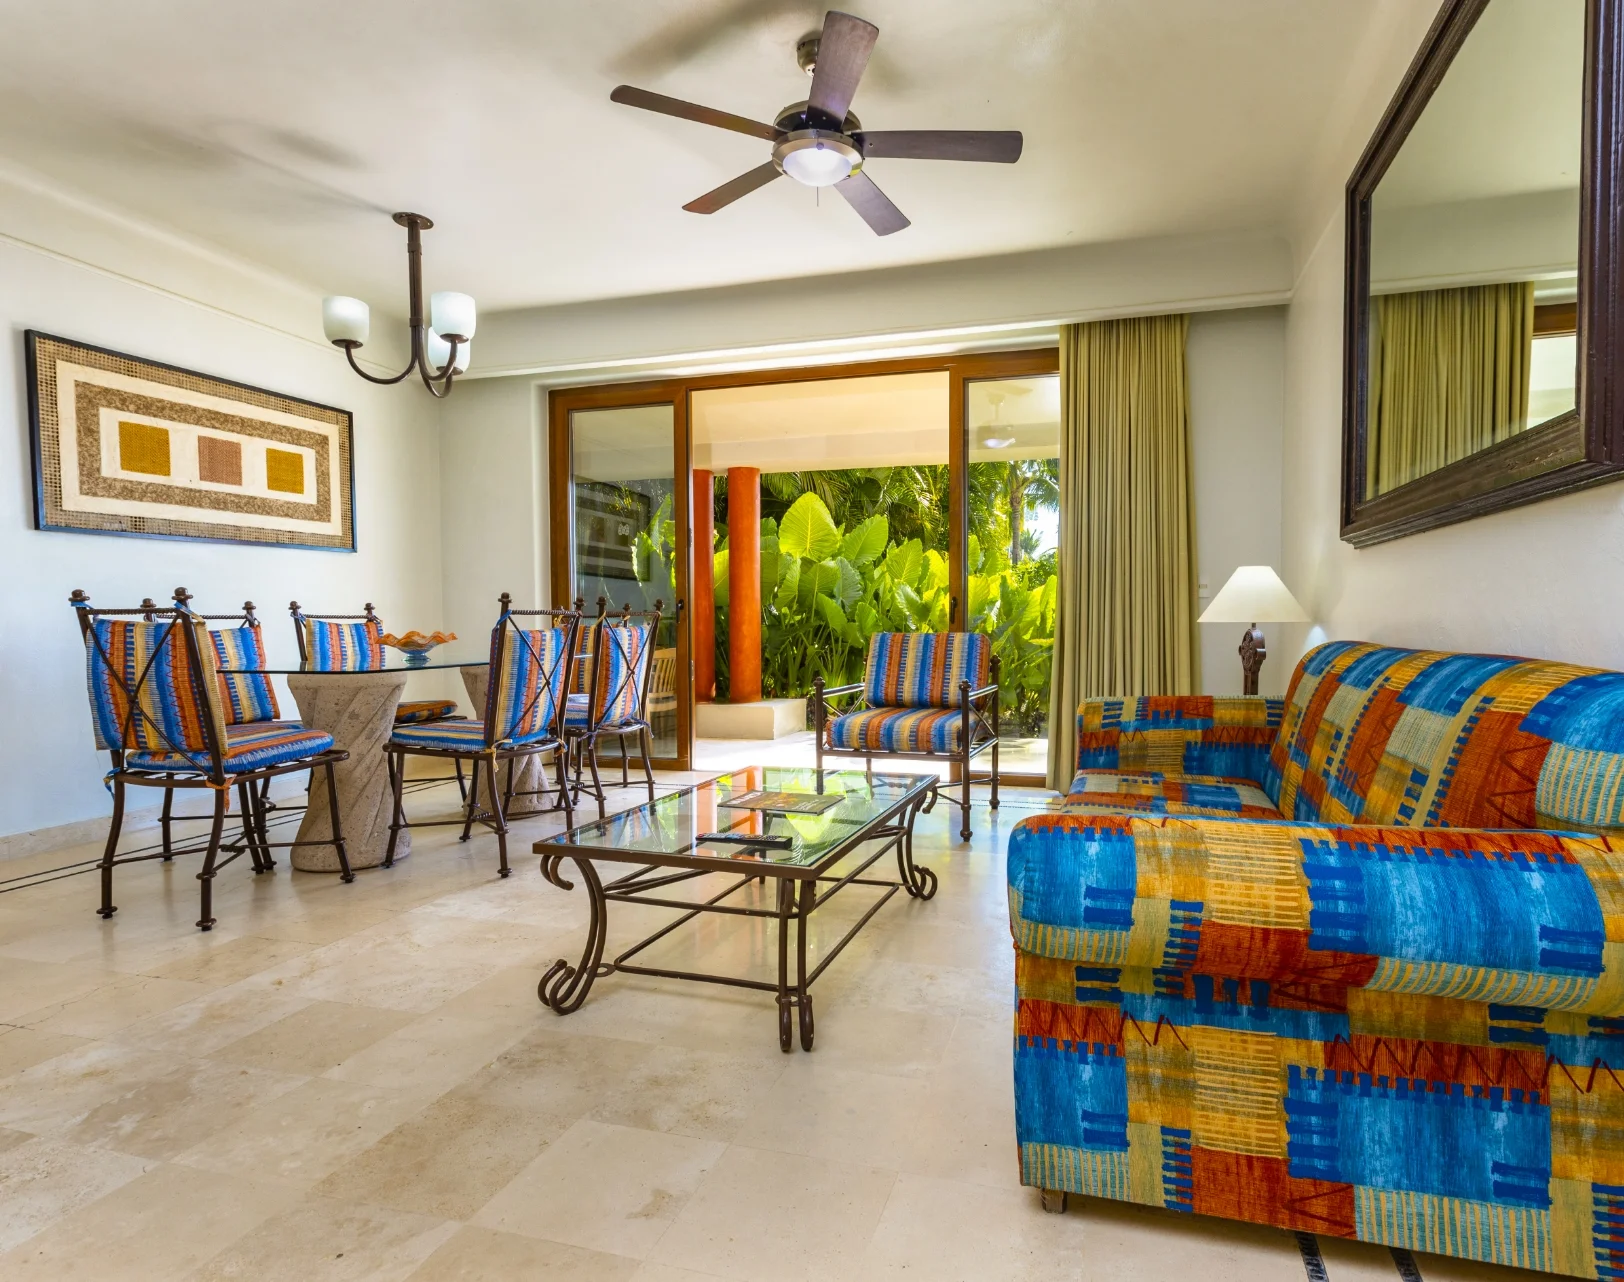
<point x="999" y="147"/>
<point x="630" y="96"/>
<point x="843" y="51"/>
<point x="872" y="204"/>
<point x="730" y="191"/>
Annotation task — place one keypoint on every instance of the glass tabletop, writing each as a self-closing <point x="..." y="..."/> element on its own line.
<point x="817" y="811"/>
<point x="453" y="654"/>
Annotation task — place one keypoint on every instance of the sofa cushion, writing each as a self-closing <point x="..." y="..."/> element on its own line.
<point x="425" y="710"/>
<point x="897" y="730"/>
<point x="1430" y="739"/>
<point x="1150" y="792"/>
<point x="1531" y="919"/>
<point x="1228" y="736"/>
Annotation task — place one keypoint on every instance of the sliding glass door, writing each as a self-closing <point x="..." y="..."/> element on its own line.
<point x="623" y="536"/>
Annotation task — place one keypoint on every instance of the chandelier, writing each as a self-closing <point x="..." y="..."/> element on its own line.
<point x="440" y="349"/>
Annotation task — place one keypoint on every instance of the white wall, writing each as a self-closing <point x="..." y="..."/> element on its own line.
<point x="1236" y="366"/>
<point x="50" y="772"/>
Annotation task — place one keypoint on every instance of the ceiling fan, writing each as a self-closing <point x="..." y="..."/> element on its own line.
<point x="819" y="142"/>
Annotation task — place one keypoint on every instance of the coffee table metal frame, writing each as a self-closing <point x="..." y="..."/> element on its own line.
<point x="565" y="985"/>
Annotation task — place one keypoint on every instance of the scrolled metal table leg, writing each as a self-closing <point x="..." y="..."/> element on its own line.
<point x="564" y="987"/>
<point x="918" y="881"/>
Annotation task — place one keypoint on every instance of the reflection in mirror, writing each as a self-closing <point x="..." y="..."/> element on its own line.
<point x="1474" y="237"/>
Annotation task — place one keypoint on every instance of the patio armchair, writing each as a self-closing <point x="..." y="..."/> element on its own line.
<point x="159" y="708"/>
<point x="347" y="641"/>
<point x="925" y="696"/>
<point x="615" y="703"/>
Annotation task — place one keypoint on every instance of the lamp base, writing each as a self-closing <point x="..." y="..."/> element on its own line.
<point x="1253" y="652"/>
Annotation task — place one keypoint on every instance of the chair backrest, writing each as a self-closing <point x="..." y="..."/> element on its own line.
<point x="621" y="666"/>
<point x="662" y="680"/>
<point x="524" y="697"/>
<point x="585" y="639"/>
<point x="338" y="642"/>
<point x="151" y="677"/>
<point x="923" y="669"/>
<point x="245" y="696"/>
<point x="1426" y="738"/>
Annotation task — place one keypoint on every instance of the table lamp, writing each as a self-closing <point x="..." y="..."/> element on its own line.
<point x="1253" y="594"/>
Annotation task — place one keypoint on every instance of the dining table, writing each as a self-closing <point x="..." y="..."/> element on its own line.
<point x="356" y="705"/>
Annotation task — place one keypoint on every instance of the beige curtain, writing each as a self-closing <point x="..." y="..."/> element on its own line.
<point x="1126" y="618"/>
<point x="1448" y="377"/>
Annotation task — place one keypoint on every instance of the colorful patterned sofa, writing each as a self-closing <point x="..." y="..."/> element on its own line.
<point x="1350" y="963"/>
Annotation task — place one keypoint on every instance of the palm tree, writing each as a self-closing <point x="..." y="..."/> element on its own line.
<point x="1031" y="483"/>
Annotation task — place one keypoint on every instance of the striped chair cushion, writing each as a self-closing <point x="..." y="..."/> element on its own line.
<point x="245" y="697"/>
<point x="343" y="647"/>
<point x="581" y="669"/>
<point x="622" y="668"/>
<point x="577" y="711"/>
<point x="526" y="695"/>
<point x="923" y="669"/>
<point x="248" y="747"/>
<point x="453" y="734"/>
<point x="898" y="730"/>
<point x="425" y="710"/>
<point x="145" y="694"/>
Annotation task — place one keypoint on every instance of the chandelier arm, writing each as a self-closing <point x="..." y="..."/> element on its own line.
<point x="349" y="351"/>
<point x="446" y="373"/>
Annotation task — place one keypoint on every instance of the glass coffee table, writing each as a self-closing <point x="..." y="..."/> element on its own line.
<point x="791" y="825"/>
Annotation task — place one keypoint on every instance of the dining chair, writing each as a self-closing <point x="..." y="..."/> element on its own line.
<point x="524" y="703"/>
<point x="616" y="698"/>
<point x="346" y="641"/>
<point x="157" y="705"/>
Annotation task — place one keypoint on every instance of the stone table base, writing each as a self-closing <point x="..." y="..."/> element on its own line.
<point x="529" y="772"/>
<point x="358" y="710"/>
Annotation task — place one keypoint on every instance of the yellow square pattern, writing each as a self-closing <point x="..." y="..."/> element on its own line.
<point x="143" y="448"/>
<point x="284" y="471"/>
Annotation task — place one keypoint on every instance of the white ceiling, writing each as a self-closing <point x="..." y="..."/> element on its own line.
<point x="286" y="133"/>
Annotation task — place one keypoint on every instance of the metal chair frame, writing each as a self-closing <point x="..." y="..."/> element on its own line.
<point x="492" y="753"/>
<point x="211" y="774"/>
<point x="583" y="743"/>
<point x="978" y="710"/>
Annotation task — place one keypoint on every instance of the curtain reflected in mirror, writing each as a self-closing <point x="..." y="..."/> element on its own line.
<point x="1474" y="233"/>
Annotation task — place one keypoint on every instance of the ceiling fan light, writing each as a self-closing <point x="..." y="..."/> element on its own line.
<point x="996" y="442"/>
<point x="817" y="160"/>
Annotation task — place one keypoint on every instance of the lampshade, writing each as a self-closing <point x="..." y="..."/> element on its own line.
<point x="438" y="350"/>
<point x="451" y="313"/>
<point x="1254" y="594"/>
<point x="345" y="320"/>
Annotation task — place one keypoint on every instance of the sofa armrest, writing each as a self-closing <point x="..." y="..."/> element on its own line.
<point x="1224" y="735"/>
<point x="1519" y="918"/>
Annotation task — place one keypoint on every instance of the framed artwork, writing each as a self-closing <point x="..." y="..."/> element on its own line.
<point x="128" y="446"/>
<point x="608" y="519"/>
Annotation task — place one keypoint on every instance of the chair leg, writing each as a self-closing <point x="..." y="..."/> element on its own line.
<point x="597" y="783"/>
<point x="262" y="810"/>
<point x="165" y="818"/>
<point x="344" y="873"/>
<point x="473" y="802"/>
<point x="561" y="758"/>
<point x="250" y="829"/>
<point x="107" y="908"/>
<point x="397" y="816"/>
<point x="498" y="805"/>
<point x="964" y="806"/>
<point x="993" y="804"/>
<point x="205" y="919"/>
<point x="645" y="739"/>
<point x="462" y="784"/>
<point x="625" y="776"/>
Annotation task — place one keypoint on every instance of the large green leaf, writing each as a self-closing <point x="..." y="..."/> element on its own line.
<point x="832" y="614"/>
<point x="867" y="541"/>
<point x="719" y="577"/>
<point x="808" y="530"/>
<point x="902" y="562"/>
<point x="849" y="590"/>
<point x="935" y="569"/>
<point x="973" y="557"/>
<point x="789" y="579"/>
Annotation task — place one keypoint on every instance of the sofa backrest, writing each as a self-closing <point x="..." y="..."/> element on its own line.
<point x="1426" y="738"/>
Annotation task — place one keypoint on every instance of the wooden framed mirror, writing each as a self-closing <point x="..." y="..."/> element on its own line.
<point x="1483" y="301"/>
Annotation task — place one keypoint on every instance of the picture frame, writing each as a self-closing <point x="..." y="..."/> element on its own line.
<point x="127" y="446"/>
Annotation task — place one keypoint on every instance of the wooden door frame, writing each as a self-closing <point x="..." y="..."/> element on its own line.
<point x="961" y="368"/>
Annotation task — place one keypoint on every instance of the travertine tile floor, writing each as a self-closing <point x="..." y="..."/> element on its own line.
<point x="348" y="1082"/>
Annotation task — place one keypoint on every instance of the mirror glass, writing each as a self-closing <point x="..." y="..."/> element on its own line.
<point x="1474" y="242"/>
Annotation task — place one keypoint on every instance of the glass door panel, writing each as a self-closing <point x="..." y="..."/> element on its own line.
<point x="1013" y="531"/>
<point x="627" y="534"/>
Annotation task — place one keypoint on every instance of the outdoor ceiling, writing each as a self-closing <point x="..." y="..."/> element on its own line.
<point x="286" y="133"/>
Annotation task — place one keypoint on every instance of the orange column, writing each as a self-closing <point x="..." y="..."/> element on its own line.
<point x="744" y="583"/>
<point x="704" y="592"/>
